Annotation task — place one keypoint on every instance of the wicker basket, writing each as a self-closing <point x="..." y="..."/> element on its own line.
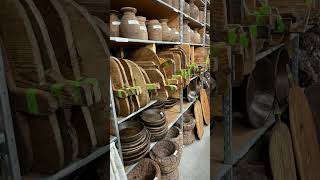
<point x="174" y="175"/>
<point x="175" y="135"/>
<point x="188" y="137"/>
<point x="188" y="123"/>
<point x="146" y="169"/>
<point x="167" y="154"/>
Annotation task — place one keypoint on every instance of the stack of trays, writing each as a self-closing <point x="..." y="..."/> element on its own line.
<point x="155" y="121"/>
<point x="169" y="103"/>
<point x="135" y="141"/>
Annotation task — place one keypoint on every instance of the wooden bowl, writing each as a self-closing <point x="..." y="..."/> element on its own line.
<point x="136" y="147"/>
<point x="131" y="130"/>
<point x="153" y="117"/>
<point x="146" y="169"/>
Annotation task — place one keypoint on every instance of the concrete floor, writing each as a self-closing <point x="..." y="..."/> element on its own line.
<point x="195" y="161"/>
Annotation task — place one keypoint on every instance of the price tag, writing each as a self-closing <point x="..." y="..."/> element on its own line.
<point x="175" y="153"/>
<point x="157" y="27"/>
<point x="116" y="23"/>
<point x="143" y="28"/>
<point x="155" y="178"/>
<point x="133" y="22"/>
<point x="176" y="32"/>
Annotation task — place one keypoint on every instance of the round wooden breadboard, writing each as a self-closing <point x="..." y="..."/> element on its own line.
<point x="205" y="106"/>
<point x="305" y="144"/>
<point x="199" y="119"/>
<point x="281" y="153"/>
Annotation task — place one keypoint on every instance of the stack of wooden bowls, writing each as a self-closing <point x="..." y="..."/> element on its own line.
<point x="169" y="103"/>
<point x="167" y="154"/>
<point x="155" y="122"/>
<point x="135" y="141"/>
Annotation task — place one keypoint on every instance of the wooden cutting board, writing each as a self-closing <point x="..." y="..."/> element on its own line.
<point x="140" y="81"/>
<point x="281" y="153"/>
<point x="312" y="93"/>
<point x="145" y="54"/>
<point x="205" y="106"/>
<point x="131" y="82"/>
<point x="199" y="119"/>
<point x="157" y="77"/>
<point x="152" y="94"/>
<point x="306" y="147"/>
<point x="122" y="104"/>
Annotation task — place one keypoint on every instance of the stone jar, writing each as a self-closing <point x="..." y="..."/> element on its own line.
<point x="175" y="4"/>
<point x="175" y="35"/>
<point x="197" y="36"/>
<point x="154" y="30"/>
<point x="186" y="32"/>
<point x="186" y="8"/>
<point x="166" y="30"/>
<point x="201" y="16"/>
<point x="129" y="27"/>
<point x="194" y="10"/>
<point x="143" y="27"/>
<point x="168" y="2"/>
<point x="114" y="24"/>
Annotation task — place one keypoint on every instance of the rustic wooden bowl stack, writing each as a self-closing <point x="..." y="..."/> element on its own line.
<point x="135" y="141"/>
<point x="53" y="100"/>
<point x="168" y="155"/>
<point x="156" y="123"/>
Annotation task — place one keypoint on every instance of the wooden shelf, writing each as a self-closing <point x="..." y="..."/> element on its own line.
<point x="243" y="138"/>
<point x="172" y="116"/>
<point x="120" y="41"/>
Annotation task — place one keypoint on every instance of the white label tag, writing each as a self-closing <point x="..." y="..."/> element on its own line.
<point x="155" y="178"/>
<point x="116" y="23"/>
<point x="169" y="29"/>
<point x="157" y="27"/>
<point x="175" y="153"/>
<point x="133" y="22"/>
<point x="143" y="28"/>
<point x="176" y="32"/>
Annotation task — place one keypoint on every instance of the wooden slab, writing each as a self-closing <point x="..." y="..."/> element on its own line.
<point x="306" y="147"/>
<point x="140" y="81"/>
<point x="281" y="153"/>
<point x="205" y="106"/>
<point x="199" y="118"/>
<point x="122" y="104"/>
<point x="312" y="93"/>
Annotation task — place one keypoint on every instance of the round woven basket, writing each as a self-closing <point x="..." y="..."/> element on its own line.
<point x="146" y="169"/>
<point x="175" y="135"/>
<point x="174" y="175"/>
<point x="188" y="137"/>
<point x="189" y="123"/>
<point x="167" y="154"/>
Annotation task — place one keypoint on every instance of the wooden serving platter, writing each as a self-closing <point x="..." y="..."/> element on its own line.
<point x="205" y="106"/>
<point x="199" y="119"/>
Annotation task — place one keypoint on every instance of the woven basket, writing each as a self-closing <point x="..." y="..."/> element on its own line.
<point x="146" y="169"/>
<point x="167" y="154"/>
<point x="189" y="123"/>
<point x="188" y="137"/>
<point x="175" y="135"/>
<point x="174" y="175"/>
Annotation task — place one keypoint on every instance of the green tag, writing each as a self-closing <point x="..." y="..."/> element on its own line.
<point x="75" y="90"/>
<point x="120" y="93"/>
<point x="151" y="87"/>
<point x="32" y="102"/>
<point x="254" y="31"/>
<point x="262" y="12"/>
<point x="232" y="37"/>
<point x="207" y="60"/>
<point x="244" y="41"/>
<point x="280" y="25"/>
<point x="56" y="90"/>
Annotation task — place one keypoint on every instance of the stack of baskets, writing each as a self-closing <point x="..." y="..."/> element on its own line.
<point x="189" y="123"/>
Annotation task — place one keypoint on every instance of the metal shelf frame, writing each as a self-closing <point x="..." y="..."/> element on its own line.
<point x="230" y="158"/>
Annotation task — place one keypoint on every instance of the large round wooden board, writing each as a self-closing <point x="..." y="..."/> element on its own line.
<point x="199" y="119"/>
<point x="306" y="147"/>
<point x="205" y="106"/>
<point x="281" y="153"/>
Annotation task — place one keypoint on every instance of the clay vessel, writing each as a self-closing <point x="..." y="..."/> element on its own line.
<point x="186" y="32"/>
<point x="192" y="36"/>
<point x="197" y="36"/>
<point x="175" y="35"/>
<point x="201" y="16"/>
<point x="175" y="4"/>
<point x="194" y="10"/>
<point x="166" y="30"/>
<point x="114" y="24"/>
<point x="129" y="27"/>
<point x="154" y="30"/>
<point x="143" y="27"/>
<point x="186" y="8"/>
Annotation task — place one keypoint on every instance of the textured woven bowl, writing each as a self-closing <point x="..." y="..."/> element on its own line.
<point x="175" y="135"/>
<point x="174" y="175"/>
<point x="146" y="169"/>
<point x="131" y="130"/>
<point x="188" y="137"/>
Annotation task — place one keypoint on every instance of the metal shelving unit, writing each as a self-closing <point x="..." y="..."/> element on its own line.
<point x="231" y="157"/>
